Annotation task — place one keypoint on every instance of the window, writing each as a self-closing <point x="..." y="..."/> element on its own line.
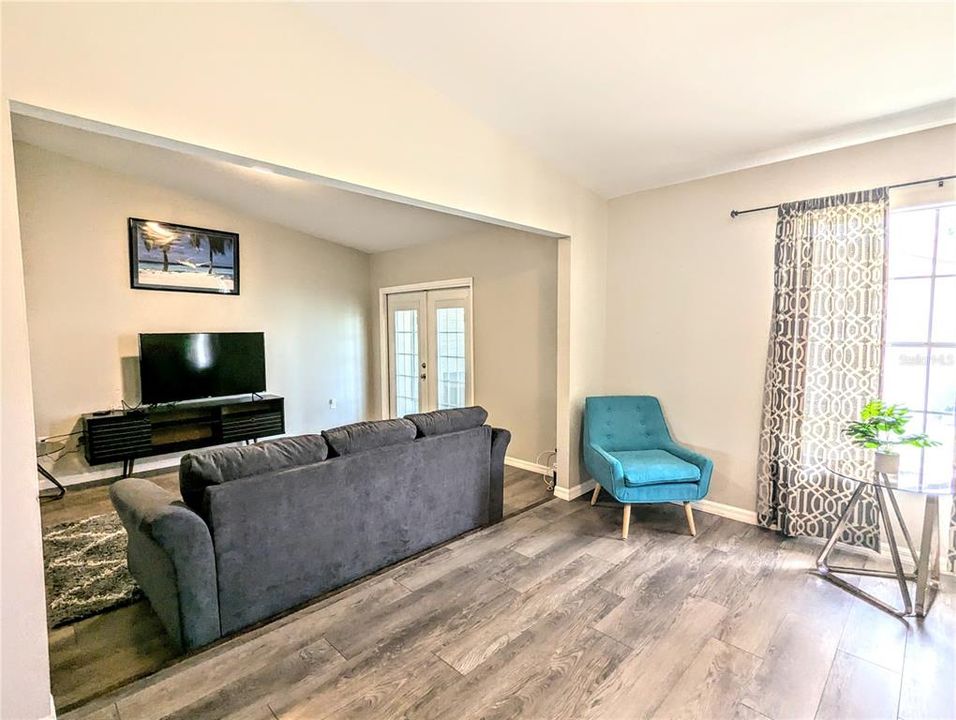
<point x="406" y="362"/>
<point x="919" y="354"/>
<point x="451" y="357"/>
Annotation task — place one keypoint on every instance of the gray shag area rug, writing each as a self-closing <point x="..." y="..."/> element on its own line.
<point x="86" y="570"/>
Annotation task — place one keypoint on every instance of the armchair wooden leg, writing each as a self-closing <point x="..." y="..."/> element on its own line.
<point x="594" y="495"/>
<point x="689" y="511"/>
<point x="627" y="521"/>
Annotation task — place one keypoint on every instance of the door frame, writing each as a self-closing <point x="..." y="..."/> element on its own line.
<point x="383" y="293"/>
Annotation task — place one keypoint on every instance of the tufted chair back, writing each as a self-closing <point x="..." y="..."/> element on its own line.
<point x="625" y="422"/>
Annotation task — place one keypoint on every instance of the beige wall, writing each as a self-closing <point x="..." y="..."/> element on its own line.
<point x="24" y="665"/>
<point x="689" y="290"/>
<point x="515" y="324"/>
<point x="307" y="295"/>
<point x="310" y="101"/>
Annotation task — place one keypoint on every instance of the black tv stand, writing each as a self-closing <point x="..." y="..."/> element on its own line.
<point x="124" y="436"/>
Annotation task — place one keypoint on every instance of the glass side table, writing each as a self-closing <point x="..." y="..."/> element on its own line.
<point x="926" y="573"/>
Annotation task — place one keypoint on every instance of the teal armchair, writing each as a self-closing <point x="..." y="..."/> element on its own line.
<point x="630" y="454"/>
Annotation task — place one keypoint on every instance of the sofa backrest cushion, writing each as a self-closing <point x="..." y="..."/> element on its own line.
<point x="361" y="436"/>
<point x="199" y="470"/>
<point x="441" y="422"/>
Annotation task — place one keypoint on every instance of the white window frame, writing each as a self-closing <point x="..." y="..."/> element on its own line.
<point x="928" y="345"/>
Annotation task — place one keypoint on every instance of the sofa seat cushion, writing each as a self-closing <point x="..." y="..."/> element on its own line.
<point x="654" y="467"/>
<point x="360" y="436"/>
<point x="199" y="470"/>
<point x="441" y="422"/>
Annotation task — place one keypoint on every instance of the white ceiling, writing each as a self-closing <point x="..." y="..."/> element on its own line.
<point x="308" y="205"/>
<point x="627" y="96"/>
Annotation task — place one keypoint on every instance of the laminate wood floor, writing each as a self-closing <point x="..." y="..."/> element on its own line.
<point x="523" y="489"/>
<point x="549" y="614"/>
<point x="109" y="650"/>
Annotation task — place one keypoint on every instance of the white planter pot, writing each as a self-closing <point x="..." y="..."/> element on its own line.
<point x="888" y="463"/>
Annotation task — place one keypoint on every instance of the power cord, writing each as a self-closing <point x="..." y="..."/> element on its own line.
<point x="549" y="480"/>
<point x="63" y="435"/>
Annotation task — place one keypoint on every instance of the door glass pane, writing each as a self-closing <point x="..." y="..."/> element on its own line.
<point x="911" y="236"/>
<point x="406" y="362"/>
<point x="907" y="310"/>
<point x="451" y="357"/>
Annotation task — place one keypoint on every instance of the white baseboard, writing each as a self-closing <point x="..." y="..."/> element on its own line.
<point x="708" y="506"/>
<point x="165" y="463"/>
<point x="731" y="512"/>
<point x="113" y="471"/>
<point x="907" y="557"/>
<point x="750" y="517"/>
<point x="712" y="507"/>
<point x="574" y="492"/>
<point x="525" y="465"/>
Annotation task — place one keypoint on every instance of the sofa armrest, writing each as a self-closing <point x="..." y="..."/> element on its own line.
<point x="605" y="469"/>
<point x="170" y="554"/>
<point x="704" y="463"/>
<point x="496" y="495"/>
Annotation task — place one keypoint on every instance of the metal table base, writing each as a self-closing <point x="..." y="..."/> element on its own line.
<point x="49" y="476"/>
<point x="926" y="573"/>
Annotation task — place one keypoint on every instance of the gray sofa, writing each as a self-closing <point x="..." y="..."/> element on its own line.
<point x="263" y="528"/>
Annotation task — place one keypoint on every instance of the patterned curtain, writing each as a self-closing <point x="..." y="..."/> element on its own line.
<point x="823" y="362"/>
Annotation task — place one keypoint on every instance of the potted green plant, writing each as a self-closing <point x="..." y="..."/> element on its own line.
<point x="882" y="428"/>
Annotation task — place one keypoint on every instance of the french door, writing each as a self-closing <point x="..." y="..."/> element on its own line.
<point x="429" y="350"/>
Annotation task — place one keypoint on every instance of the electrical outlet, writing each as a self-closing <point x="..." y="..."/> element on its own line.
<point x="332" y="403"/>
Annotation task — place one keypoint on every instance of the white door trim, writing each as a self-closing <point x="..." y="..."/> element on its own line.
<point x="383" y="293"/>
<point x="418" y="302"/>
<point x="434" y="285"/>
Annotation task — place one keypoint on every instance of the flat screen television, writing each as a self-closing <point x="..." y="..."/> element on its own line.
<point x="188" y="366"/>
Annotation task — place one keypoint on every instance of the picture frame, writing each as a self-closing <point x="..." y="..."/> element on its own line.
<point x="173" y="257"/>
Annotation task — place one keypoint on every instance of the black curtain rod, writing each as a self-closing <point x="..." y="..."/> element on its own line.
<point x="940" y="180"/>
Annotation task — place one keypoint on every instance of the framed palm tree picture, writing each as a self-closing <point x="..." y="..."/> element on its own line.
<point x="167" y="256"/>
